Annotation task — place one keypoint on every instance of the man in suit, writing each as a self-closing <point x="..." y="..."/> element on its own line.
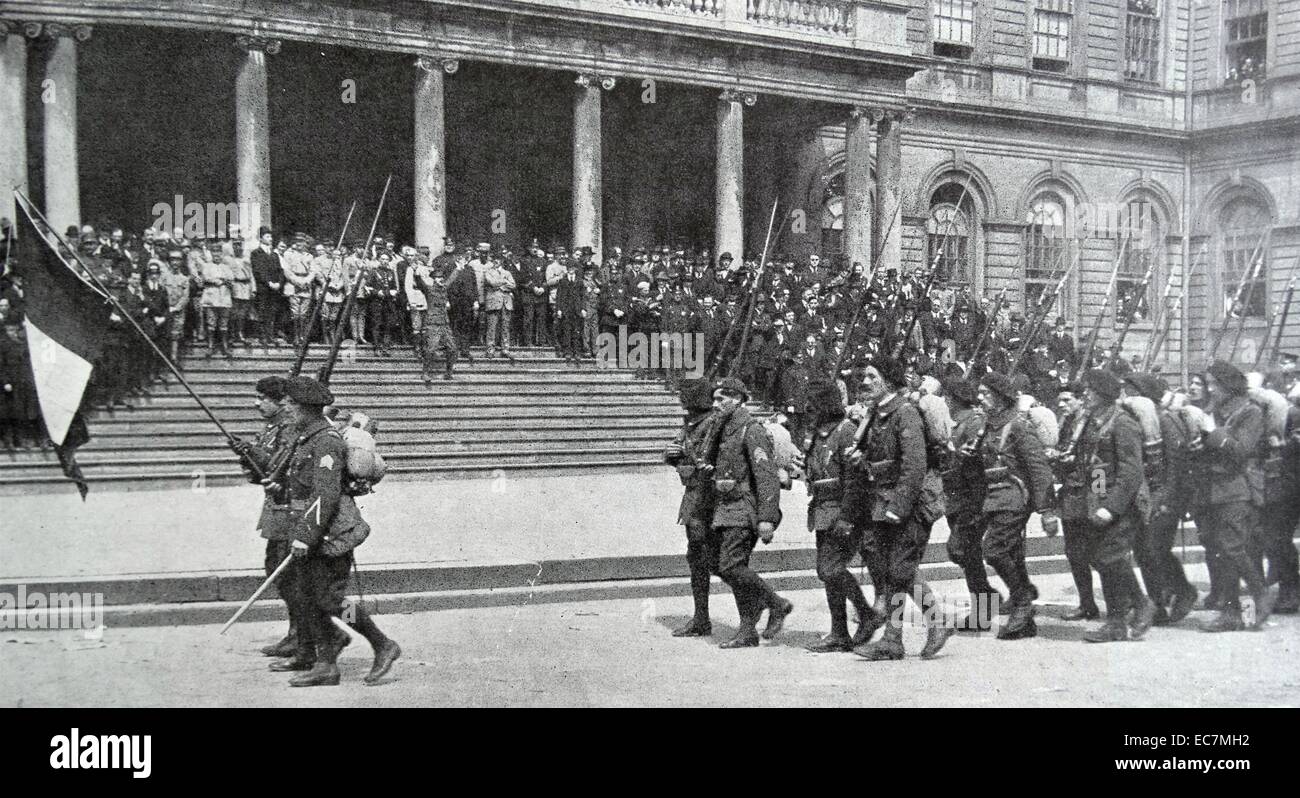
<point x="498" y="295"/>
<point x="268" y="274"/>
<point x="570" y="311"/>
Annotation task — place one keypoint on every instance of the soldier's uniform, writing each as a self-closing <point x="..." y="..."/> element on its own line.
<point x="1106" y="476"/>
<point x="695" y="512"/>
<point x="1017" y="482"/>
<point x="321" y="514"/>
<point x="261" y="458"/>
<point x="747" y="492"/>
<point x="437" y="333"/>
<point x="963" y="485"/>
<point x="1226" y="512"/>
<point x="838" y="539"/>
<point x="892" y="453"/>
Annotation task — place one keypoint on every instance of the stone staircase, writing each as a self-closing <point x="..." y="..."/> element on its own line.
<point x="535" y="415"/>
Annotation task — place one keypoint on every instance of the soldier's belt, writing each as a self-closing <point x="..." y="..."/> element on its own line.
<point x="827" y="488"/>
<point x="997" y="475"/>
<point x="883" y="471"/>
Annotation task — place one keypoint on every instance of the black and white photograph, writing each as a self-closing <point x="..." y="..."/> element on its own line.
<point x="836" y="354"/>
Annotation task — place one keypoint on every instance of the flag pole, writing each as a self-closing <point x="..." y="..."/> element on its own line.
<point x="29" y="208"/>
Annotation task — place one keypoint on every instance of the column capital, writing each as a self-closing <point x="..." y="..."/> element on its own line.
<point x="738" y="96"/>
<point x="871" y="113"/>
<point x="53" y="30"/>
<point x="432" y="63"/>
<point x="262" y="43"/>
<point x="586" y="80"/>
<point x="11" y="27"/>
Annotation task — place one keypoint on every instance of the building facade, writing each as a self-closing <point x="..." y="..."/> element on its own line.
<point x="1008" y="142"/>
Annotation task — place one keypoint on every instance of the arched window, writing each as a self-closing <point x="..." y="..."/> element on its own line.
<point x="1047" y="250"/>
<point x="1244" y="226"/>
<point x="1144" y="228"/>
<point x="948" y="236"/>
<point x="833" y="215"/>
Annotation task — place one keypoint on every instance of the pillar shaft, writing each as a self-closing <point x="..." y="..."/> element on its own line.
<point x="252" y="135"/>
<point x="430" y="153"/>
<point x="857" y="242"/>
<point x="13" y="116"/>
<point x="729" y="224"/>
<point x="59" y="103"/>
<point x="888" y="233"/>
<point x="587" y="220"/>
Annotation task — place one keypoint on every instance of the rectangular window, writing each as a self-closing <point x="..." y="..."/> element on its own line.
<point x="1142" y="44"/>
<point x="1046" y="256"/>
<point x="950" y="253"/>
<point x="1131" y="297"/>
<point x="1239" y="253"/>
<point x="1052" y="34"/>
<point x="954" y="21"/>
<point x="1245" y="24"/>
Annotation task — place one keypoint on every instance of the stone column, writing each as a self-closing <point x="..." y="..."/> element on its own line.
<point x="252" y="136"/>
<point x="430" y="151"/>
<point x="59" y="102"/>
<point x="729" y="209"/>
<point x="13" y="116"/>
<point x="858" y="246"/>
<point x="888" y="230"/>
<point x="587" y="212"/>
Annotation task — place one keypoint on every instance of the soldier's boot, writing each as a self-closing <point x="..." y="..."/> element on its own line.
<point x="1020" y="621"/>
<point x="1288" y="600"/>
<point x="225" y="345"/>
<point x="303" y="658"/>
<point x="1182" y="605"/>
<point x="1117" y="592"/>
<point x="1262" y="607"/>
<point x="325" y="671"/>
<point x="425" y="376"/>
<point x="838" y="639"/>
<point x="868" y="619"/>
<point x="746" y="634"/>
<point x="776" y="614"/>
<point x="386" y="649"/>
<point x="1145" y="613"/>
<point x="937" y="629"/>
<point x="1227" y="620"/>
<point x="888" y="647"/>
<point x="700" y="625"/>
<point x="207" y="340"/>
<point x="287" y="645"/>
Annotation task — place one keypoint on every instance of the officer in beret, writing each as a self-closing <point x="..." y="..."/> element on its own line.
<point x="1017" y="482"/>
<point x="261" y="458"/>
<point x="320" y="512"/>
<point x="1104" y="501"/>
<point x="963" y="485"/>
<point x="738" y="455"/>
<point x="703" y="542"/>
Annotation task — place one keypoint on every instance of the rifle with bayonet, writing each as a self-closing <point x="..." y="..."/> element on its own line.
<point x="1085" y="362"/>
<point x="318" y="302"/>
<point x="1132" y="314"/>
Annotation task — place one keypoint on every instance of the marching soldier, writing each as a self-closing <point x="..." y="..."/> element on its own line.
<point x="1168" y="480"/>
<point x="324" y="520"/>
<point x="837" y="537"/>
<point x="1226" y="513"/>
<point x="1074" y="417"/>
<point x="1017" y="482"/>
<point x="264" y="454"/>
<point x="1104" y="501"/>
<point x="703" y="542"/>
<point x="963" y="485"/>
<point x="747" y="509"/>
<point x="891" y="450"/>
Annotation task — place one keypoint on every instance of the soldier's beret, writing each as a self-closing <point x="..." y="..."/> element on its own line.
<point x="825" y="401"/>
<point x="1289" y="356"/>
<point x="1228" y="376"/>
<point x="1103" y="382"/>
<point x="695" y="394"/>
<point x="999" y="384"/>
<point x="306" y="391"/>
<point x="961" y="391"/>
<point x="891" y="370"/>
<point x="732" y="385"/>
<point x="272" y="387"/>
<point x="1151" y="386"/>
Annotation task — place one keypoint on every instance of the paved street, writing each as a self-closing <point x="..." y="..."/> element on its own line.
<point x="619" y="653"/>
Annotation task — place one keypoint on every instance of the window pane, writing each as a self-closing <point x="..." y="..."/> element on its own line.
<point x="954" y="21"/>
<point x="1142" y="46"/>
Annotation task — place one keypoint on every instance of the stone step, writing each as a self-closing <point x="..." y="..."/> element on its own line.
<point x="208" y="379"/>
<point x="182" y="473"/>
<point x="412" y="407"/>
<point x="347" y="394"/>
<point x="122" y="427"/>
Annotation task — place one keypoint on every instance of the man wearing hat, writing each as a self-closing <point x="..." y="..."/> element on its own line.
<point x="320" y="512"/>
<point x="268" y="274"/>
<point x="1225" y="511"/>
<point x="260" y="458"/>
<point x="1103" y="505"/>
<point x="838" y="539"/>
<point x="299" y="284"/>
<point x="1170" y="483"/>
<point x="479" y="265"/>
<point x="747" y="508"/>
<point x="499" y="304"/>
<point x="1017" y="482"/>
<point x="890" y="451"/>
<point x="217" y="299"/>
<point x="533" y="298"/>
<point x="703" y="542"/>
<point x="1060" y="345"/>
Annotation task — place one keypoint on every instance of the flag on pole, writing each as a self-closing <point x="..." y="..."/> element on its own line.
<point x="66" y="322"/>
